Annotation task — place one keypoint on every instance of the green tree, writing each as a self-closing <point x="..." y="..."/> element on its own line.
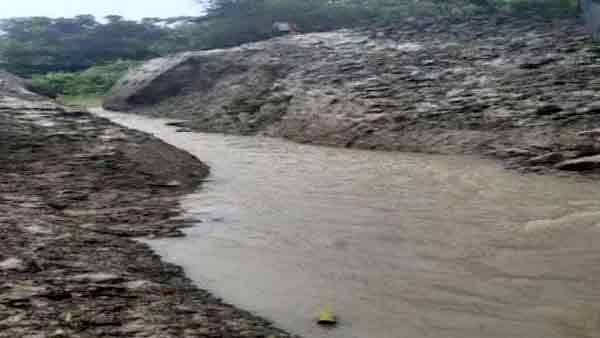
<point x="40" y="45"/>
<point x="96" y="81"/>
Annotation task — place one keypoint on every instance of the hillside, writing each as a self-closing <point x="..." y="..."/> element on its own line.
<point x="522" y="90"/>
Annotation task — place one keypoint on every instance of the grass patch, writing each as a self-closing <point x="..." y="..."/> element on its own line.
<point x="95" y="81"/>
<point x="87" y="101"/>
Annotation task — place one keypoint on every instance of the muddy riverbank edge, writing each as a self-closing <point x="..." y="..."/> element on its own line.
<point x="75" y="190"/>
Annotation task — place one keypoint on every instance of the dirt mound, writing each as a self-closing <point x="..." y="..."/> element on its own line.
<point x="523" y="90"/>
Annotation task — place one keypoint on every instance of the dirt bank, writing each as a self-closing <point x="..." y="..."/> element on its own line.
<point x="524" y="90"/>
<point x="74" y="190"/>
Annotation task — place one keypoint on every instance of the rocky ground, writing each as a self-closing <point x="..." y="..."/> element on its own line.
<point x="525" y="90"/>
<point x="74" y="192"/>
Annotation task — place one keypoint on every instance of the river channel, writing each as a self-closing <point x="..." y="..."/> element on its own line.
<point x="396" y="244"/>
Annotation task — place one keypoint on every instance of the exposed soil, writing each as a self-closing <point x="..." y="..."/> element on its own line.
<point x="74" y="191"/>
<point x="524" y="90"/>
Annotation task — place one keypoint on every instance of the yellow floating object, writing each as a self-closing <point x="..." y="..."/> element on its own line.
<point x="326" y="317"/>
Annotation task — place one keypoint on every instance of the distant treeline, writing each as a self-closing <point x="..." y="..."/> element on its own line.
<point x="232" y="22"/>
<point x="39" y="45"/>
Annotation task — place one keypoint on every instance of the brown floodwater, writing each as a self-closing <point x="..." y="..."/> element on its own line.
<point x="397" y="244"/>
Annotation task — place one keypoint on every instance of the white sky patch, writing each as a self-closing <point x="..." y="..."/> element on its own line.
<point x="130" y="9"/>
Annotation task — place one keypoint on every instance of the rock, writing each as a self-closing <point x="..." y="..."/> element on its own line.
<point x="580" y="164"/>
<point x="591" y="108"/>
<point x="513" y="152"/>
<point x="20" y="294"/>
<point x="548" y="110"/>
<point x="72" y="112"/>
<point x="593" y="133"/>
<point x="38" y="229"/>
<point x="13" y="264"/>
<point x="173" y="183"/>
<point x="176" y="124"/>
<point x="535" y="63"/>
<point x="141" y="285"/>
<point x="96" y="278"/>
<point x="169" y="184"/>
<point x="546" y="159"/>
<point x="409" y="47"/>
<point x="58" y="333"/>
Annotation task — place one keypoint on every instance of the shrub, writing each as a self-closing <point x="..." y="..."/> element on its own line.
<point x="97" y="80"/>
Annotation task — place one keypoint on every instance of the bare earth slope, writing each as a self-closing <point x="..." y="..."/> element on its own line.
<point x="523" y="90"/>
<point x="74" y="190"/>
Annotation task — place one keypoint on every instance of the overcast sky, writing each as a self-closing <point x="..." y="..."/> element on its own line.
<point x="130" y="9"/>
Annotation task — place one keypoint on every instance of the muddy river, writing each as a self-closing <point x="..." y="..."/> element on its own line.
<point x="397" y="244"/>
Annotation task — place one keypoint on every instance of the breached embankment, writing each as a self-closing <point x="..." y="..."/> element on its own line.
<point x="524" y="90"/>
<point x="75" y="190"/>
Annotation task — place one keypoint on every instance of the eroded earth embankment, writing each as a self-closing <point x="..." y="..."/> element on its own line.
<point x="525" y="90"/>
<point x="74" y="190"/>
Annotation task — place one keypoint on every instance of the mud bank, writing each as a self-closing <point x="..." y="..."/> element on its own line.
<point x="525" y="91"/>
<point x="74" y="191"/>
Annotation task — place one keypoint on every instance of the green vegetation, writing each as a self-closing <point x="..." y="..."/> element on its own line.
<point x="55" y="53"/>
<point x="41" y="45"/>
<point x="81" y="101"/>
<point x="232" y="22"/>
<point x="95" y="81"/>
